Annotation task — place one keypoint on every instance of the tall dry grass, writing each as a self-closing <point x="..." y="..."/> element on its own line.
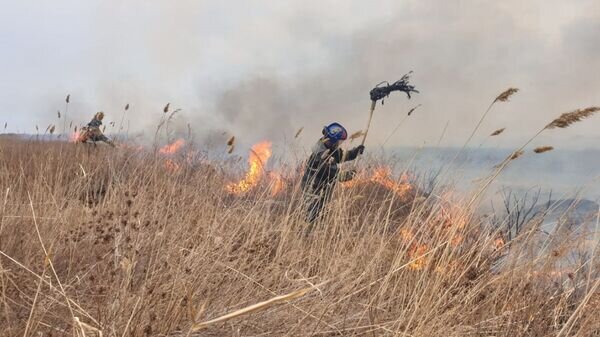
<point x="101" y="241"/>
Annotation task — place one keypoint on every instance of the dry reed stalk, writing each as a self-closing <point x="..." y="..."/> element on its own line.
<point x="48" y="283"/>
<point x="67" y="100"/>
<point x="497" y="132"/>
<point x="400" y="124"/>
<point x="516" y="154"/>
<point x="299" y="132"/>
<point x="568" y="118"/>
<point x="357" y="134"/>
<point x="413" y="109"/>
<point x="84" y="326"/>
<point x="503" y="97"/>
<point x="35" y="298"/>
<point x="254" y="308"/>
<point x="47" y="257"/>
<point x="542" y="149"/>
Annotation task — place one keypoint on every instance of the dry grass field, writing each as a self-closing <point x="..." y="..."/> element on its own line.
<point x="123" y="242"/>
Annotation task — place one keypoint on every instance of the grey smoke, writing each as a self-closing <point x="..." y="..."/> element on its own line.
<point x="262" y="70"/>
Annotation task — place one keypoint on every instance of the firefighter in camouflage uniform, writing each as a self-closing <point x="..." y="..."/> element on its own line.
<point x="93" y="133"/>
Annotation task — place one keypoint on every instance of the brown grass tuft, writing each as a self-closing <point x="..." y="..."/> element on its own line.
<point x="497" y="132"/>
<point x="568" y="118"/>
<point x="503" y="97"/>
<point x="543" y="149"/>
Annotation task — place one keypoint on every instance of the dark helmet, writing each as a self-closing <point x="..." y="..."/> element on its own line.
<point x="335" y="132"/>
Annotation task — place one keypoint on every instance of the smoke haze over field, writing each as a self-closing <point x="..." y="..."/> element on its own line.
<point x="264" y="69"/>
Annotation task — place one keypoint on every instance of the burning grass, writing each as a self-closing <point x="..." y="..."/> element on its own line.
<point x="137" y="252"/>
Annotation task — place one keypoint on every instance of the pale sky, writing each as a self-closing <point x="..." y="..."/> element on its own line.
<point x="262" y="69"/>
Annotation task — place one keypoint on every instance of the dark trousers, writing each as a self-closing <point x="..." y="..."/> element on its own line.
<point x="315" y="200"/>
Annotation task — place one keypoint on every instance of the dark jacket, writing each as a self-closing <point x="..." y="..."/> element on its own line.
<point x="322" y="169"/>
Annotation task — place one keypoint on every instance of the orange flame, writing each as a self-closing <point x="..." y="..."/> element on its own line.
<point x="451" y="215"/>
<point x="258" y="158"/>
<point x="415" y="252"/>
<point x="173" y="147"/>
<point x="499" y="243"/>
<point x="172" y="165"/>
<point x="75" y="137"/>
<point x="406" y="234"/>
<point x="383" y="177"/>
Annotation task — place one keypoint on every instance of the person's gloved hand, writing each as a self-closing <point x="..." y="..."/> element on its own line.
<point x="347" y="175"/>
<point x="360" y="149"/>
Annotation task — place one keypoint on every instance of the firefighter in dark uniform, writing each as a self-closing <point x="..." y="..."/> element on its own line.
<point x="322" y="171"/>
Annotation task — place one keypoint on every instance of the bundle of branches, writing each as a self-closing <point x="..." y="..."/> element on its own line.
<point x="384" y="88"/>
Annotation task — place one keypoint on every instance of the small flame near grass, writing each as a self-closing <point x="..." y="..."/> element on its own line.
<point x="75" y="137"/>
<point x="173" y="147"/>
<point x="258" y="158"/>
<point x="383" y="176"/>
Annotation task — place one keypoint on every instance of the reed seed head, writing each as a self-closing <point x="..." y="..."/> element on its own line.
<point x="497" y="132"/>
<point x="569" y="118"/>
<point x="503" y="97"/>
<point x="543" y="149"/>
